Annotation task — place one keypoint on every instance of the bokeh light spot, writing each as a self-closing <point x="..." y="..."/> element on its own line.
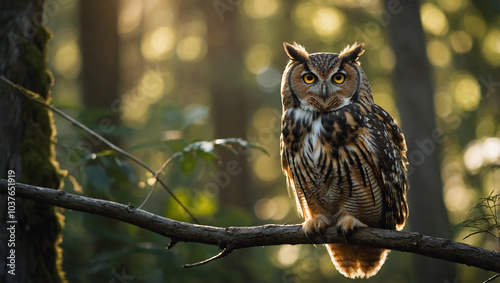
<point x="192" y="48"/>
<point x="157" y="44"/>
<point x="288" y="255"/>
<point x="482" y="153"/>
<point x="268" y="79"/>
<point x="439" y="54"/>
<point x="467" y="92"/>
<point x="257" y="57"/>
<point x="433" y="19"/>
<point x="443" y="103"/>
<point x="327" y="22"/>
<point x="261" y="8"/>
<point x="264" y="208"/>
<point x="302" y="14"/>
<point x="265" y="169"/>
<point x="474" y="25"/>
<point x="129" y="17"/>
<point x="387" y="58"/>
<point x="452" y="5"/>
<point x="461" y="42"/>
<point x="275" y="208"/>
<point x="491" y="47"/>
<point x="457" y="197"/>
<point x="67" y="59"/>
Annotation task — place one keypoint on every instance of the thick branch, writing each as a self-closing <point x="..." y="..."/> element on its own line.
<point x="232" y="238"/>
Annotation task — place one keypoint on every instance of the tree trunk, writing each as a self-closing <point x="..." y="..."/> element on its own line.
<point x="30" y="250"/>
<point x="229" y="100"/>
<point x="230" y="108"/>
<point x="414" y="89"/>
<point x="101" y="70"/>
<point x="101" y="90"/>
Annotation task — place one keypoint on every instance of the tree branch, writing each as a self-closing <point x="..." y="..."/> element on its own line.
<point x="37" y="99"/>
<point x="232" y="238"/>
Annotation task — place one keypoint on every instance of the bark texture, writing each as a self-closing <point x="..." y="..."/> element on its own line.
<point x="233" y="238"/>
<point x="27" y="146"/>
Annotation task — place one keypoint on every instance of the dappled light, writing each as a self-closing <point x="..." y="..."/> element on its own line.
<point x="457" y="196"/>
<point x="474" y="25"/>
<point x="288" y="255"/>
<point x="302" y="13"/>
<point x="158" y="44"/>
<point x="444" y="105"/>
<point x="191" y="48"/>
<point x="192" y="71"/>
<point x="486" y="127"/>
<point x="491" y="47"/>
<point x="461" y="42"/>
<point x="265" y="169"/>
<point x="433" y="19"/>
<point x="258" y="57"/>
<point x="275" y="208"/>
<point x="129" y="19"/>
<point x="452" y="6"/>
<point x="482" y="153"/>
<point x="261" y="8"/>
<point x="67" y="59"/>
<point x="328" y="23"/>
<point x="268" y="79"/>
<point x="439" y="54"/>
<point x="387" y="58"/>
<point x="467" y="92"/>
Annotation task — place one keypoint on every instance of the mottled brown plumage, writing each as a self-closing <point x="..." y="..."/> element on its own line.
<point x="344" y="156"/>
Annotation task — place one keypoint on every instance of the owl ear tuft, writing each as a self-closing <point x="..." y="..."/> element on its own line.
<point x="296" y="52"/>
<point x="352" y="53"/>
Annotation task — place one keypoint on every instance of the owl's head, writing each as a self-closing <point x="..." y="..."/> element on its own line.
<point x="323" y="81"/>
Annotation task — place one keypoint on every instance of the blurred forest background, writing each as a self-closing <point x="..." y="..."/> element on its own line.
<point x="155" y="75"/>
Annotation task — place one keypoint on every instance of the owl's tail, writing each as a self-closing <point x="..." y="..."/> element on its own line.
<point x="357" y="261"/>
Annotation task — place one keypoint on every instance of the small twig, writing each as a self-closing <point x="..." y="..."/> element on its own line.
<point x="492" y="278"/>
<point x="172" y="243"/>
<point x="38" y="99"/>
<point x="222" y="254"/>
<point x="157" y="179"/>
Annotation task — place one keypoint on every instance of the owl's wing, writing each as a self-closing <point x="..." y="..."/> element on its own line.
<point x="285" y="166"/>
<point x="390" y="166"/>
<point x="302" y="175"/>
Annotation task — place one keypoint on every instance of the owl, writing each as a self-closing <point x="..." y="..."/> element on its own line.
<point x="343" y="156"/>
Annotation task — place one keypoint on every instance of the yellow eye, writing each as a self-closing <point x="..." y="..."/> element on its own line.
<point x="309" y="78"/>
<point x="338" y="78"/>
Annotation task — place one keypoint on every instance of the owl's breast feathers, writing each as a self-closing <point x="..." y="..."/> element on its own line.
<point x="352" y="158"/>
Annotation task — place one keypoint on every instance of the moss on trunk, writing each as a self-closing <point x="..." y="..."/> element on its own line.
<point x="27" y="145"/>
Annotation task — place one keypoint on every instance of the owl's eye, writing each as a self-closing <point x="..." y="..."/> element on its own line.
<point x="309" y="78"/>
<point x="338" y="78"/>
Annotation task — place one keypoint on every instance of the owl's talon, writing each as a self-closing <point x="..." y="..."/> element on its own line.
<point x="308" y="236"/>
<point x="346" y="224"/>
<point x="344" y="234"/>
<point x="315" y="226"/>
<point x="320" y="231"/>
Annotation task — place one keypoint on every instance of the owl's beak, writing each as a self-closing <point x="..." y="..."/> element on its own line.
<point x="324" y="91"/>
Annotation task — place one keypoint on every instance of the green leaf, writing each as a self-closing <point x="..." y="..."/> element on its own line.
<point x="188" y="163"/>
<point x="231" y="142"/>
<point x="206" y="150"/>
<point x="120" y="170"/>
<point x="98" y="178"/>
<point x="177" y="145"/>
